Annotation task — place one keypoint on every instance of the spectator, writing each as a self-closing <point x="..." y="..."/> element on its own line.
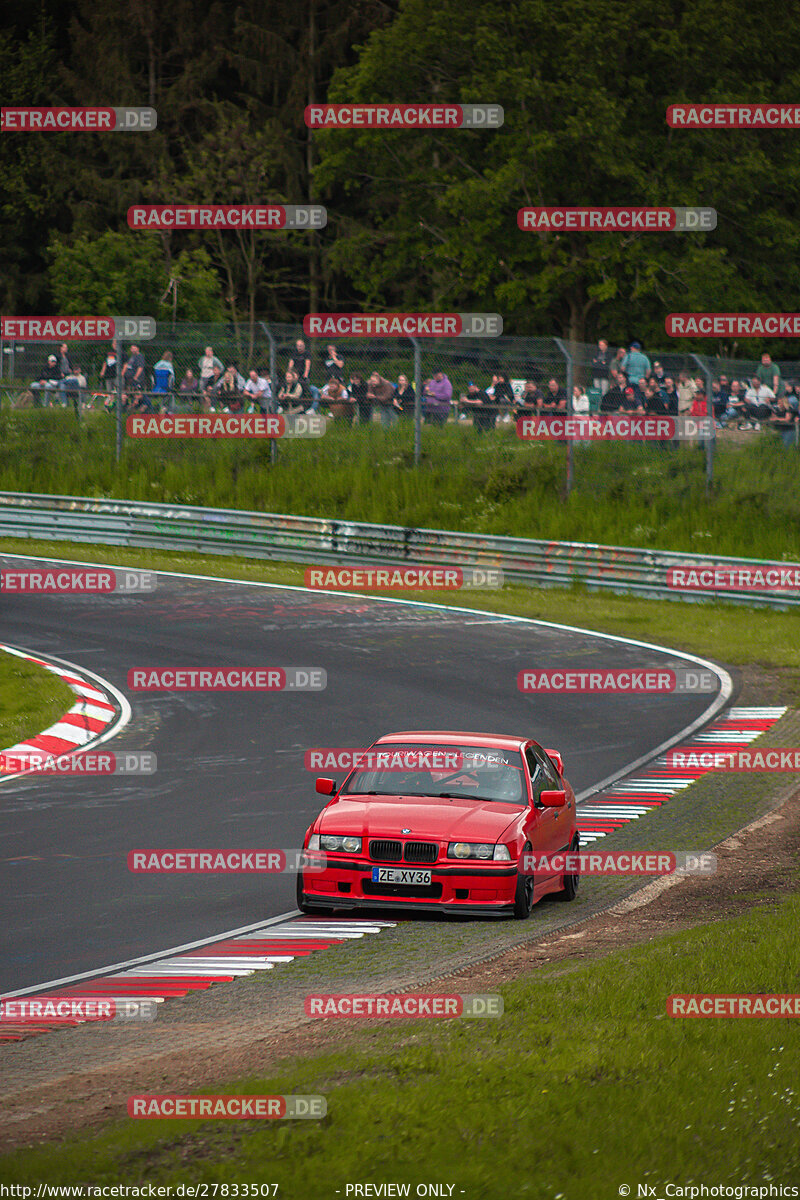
<point x="358" y="390"/>
<point x="737" y="406"/>
<point x="290" y="397"/>
<point x="631" y="402"/>
<point x="658" y="374"/>
<point x="49" y="380"/>
<point x="259" y="390"/>
<point x="334" y="364"/>
<point x="784" y="421"/>
<point x="719" y="400"/>
<point x="655" y="399"/>
<point x="555" y="398"/>
<point x="206" y="365"/>
<point x="335" y="394"/>
<point x="405" y="400"/>
<point x="190" y="382"/>
<point x="211" y="386"/>
<point x="484" y="408"/>
<point x="580" y="401"/>
<point x="757" y="400"/>
<point x="529" y="398"/>
<point x="300" y="363"/>
<point x="503" y="394"/>
<point x="231" y="389"/>
<point x="699" y="405"/>
<point x="600" y="366"/>
<point x="437" y="394"/>
<point x="164" y="375"/>
<point x="108" y="371"/>
<point x="637" y="367"/>
<point x="769" y="373"/>
<point x="670" y="393"/>
<point x="74" y="388"/>
<point x="66" y="368"/>
<point x="790" y="392"/>
<point x="133" y="373"/>
<point x="686" y="390"/>
<point x="612" y="401"/>
<point x="381" y="392"/>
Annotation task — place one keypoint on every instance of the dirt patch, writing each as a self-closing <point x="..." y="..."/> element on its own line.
<point x="758" y="866"/>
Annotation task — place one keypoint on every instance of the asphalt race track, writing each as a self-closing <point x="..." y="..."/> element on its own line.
<point x="230" y="765"/>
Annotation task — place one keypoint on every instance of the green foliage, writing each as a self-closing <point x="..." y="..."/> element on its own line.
<point x="121" y="273"/>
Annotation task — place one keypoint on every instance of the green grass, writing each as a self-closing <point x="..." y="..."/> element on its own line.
<point x="585" y="1084"/>
<point x="626" y="494"/>
<point x="31" y="699"/>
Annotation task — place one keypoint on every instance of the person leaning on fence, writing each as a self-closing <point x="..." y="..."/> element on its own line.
<point x="230" y="391"/>
<point x="164" y="378"/>
<point x="436" y="395"/>
<point x="335" y="395"/>
<point x="483" y="408"/>
<point x="190" y="383"/>
<point x="554" y="399"/>
<point x="405" y="398"/>
<point x="210" y="388"/>
<point x="358" y="391"/>
<point x="503" y="395"/>
<point x="611" y="402"/>
<point x="530" y="398"/>
<point x="300" y="363"/>
<point x="381" y="392"/>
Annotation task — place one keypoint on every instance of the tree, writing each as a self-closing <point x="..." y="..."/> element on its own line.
<point x="119" y="274"/>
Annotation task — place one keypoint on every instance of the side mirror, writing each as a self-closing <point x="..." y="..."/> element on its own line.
<point x="553" y="799"/>
<point x="325" y="787"/>
<point x="556" y="760"/>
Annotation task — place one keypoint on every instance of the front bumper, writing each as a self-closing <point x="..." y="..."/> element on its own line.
<point x="477" y="887"/>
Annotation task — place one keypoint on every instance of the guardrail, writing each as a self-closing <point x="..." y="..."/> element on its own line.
<point x="310" y="539"/>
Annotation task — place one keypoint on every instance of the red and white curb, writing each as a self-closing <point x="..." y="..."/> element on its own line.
<point x="98" y="714"/>
<point x="635" y="797"/>
<point x="175" y="974"/>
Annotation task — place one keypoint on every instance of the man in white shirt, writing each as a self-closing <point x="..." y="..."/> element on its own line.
<point x="259" y="390"/>
<point x="758" y="399"/>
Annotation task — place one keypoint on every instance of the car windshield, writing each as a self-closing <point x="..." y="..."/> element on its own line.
<point x="445" y="771"/>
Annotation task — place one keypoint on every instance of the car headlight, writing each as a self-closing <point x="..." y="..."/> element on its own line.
<point x="313" y="842"/>
<point x="470" y="850"/>
<point x="333" y="841"/>
<point x="502" y="853"/>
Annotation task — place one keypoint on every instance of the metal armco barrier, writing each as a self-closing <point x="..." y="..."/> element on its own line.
<point x="311" y="540"/>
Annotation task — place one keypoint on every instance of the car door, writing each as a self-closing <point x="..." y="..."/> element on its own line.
<point x="549" y="827"/>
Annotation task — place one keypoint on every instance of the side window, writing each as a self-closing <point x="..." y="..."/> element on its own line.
<point x="543" y="776"/>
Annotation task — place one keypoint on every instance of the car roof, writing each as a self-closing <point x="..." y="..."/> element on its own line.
<point x="449" y="737"/>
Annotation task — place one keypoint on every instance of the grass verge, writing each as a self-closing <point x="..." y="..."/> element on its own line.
<point x="629" y="494"/>
<point x="583" y="1086"/>
<point x="31" y="699"/>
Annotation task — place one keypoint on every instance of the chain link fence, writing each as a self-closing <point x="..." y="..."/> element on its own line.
<point x="416" y="397"/>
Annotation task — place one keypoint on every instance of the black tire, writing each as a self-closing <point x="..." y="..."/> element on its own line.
<point x="315" y="910"/>
<point x="523" y="896"/>
<point x="571" y="882"/>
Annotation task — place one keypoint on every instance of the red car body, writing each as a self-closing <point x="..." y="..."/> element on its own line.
<point x="407" y="840"/>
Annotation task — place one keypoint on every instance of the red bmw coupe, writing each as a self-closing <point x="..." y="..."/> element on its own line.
<point x="452" y="822"/>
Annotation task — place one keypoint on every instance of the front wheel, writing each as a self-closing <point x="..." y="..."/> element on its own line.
<point x="523" y="896"/>
<point x="571" y="882"/>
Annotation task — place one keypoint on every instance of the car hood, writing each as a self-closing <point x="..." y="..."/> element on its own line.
<point x="385" y="816"/>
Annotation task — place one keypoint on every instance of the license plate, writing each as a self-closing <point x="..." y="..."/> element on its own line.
<point x="396" y="875"/>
